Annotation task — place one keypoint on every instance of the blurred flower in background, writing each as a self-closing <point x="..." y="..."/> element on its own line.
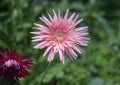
<point x="14" y="67"/>
<point x="61" y="35"/>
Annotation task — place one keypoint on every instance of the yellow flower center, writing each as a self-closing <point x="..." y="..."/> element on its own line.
<point x="59" y="36"/>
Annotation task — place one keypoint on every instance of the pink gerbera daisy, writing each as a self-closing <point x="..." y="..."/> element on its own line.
<point x="13" y="66"/>
<point x="61" y="35"/>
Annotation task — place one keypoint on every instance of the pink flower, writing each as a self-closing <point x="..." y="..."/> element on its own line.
<point x="61" y="35"/>
<point x="13" y="66"/>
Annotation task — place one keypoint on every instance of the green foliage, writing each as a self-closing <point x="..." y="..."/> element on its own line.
<point x="98" y="65"/>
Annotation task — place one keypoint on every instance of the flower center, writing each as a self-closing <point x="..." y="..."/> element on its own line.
<point x="11" y="64"/>
<point x="59" y="36"/>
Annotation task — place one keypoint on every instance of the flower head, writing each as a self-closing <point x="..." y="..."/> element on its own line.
<point x="13" y="66"/>
<point x="61" y="35"/>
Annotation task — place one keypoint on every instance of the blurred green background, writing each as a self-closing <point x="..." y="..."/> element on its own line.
<point x="100" y="62"/>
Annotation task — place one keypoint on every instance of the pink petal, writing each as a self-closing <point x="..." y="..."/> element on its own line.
<point x="71" y="52"/>
<point x="55" y="15"/>
<point x="81" y="29"/>
<point x="47" y="50"/>
<point x="36" y="37"/>
<point x="35" y="32"/>
<point x="46" y="21"/>
<point x="51" y="55"/>
<point x="74" y="20"/>
<point x="61" y="55"/>
<point x="50" y="17"/>
<point x="77" y="22"/>
<point x="59" y="14"/>
<point x="41" y="45"/>
<point x="84" y="43"/>
<point x="39" y="25"/>
<point x="77" y="48"/>
<point x="72" y="16"/>
<point x="66" y="14"/>
<point x="36" y="40"/>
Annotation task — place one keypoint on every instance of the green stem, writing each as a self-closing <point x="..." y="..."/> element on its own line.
<point x="44" y="74"/>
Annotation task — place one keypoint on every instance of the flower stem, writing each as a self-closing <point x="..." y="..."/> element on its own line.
<point x="44" y="74"/>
